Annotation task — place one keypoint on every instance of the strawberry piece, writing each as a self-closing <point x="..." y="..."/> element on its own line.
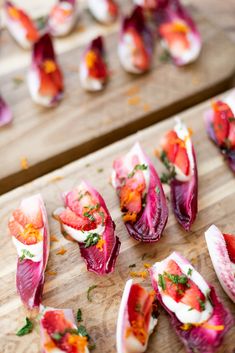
<point x="69" y="218"/>
<point x="54" y="321"/>
<point x="51" y="83"/>
<point x="193" y="297"/>
<point x="169" y="145"/>
<point x="182" y="160"/>
<point x="131" y="200"/>
<point x="20" y="217"/>
<point x="174" y="290"/>
<point x="112" y="8"/>
<point x="139" y="311"/>
<point x="220" y="121"/>
<point x="175" y="36"/>
<point x="15" y="228"/>
<point x="24" y="219"/>
<point x="230" y="244"/>
<point x="140" y="55"/>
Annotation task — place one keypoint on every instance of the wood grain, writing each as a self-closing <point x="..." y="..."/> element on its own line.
<point x="69" y="287"/>
<point x="84" y="122"/>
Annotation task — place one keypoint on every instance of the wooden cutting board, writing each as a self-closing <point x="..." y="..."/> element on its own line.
<point x="84" y="122"/>
<point x="68" y="288"/>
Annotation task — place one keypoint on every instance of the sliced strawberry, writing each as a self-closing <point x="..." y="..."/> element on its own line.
<point x="182" y="160"/>
<point x="169" y="145"/>
<point x="20" y="217"/>
<point x="28" y="25"/>
<point x="54" y="321"/>
<point x="70" y="343"/>
<point x="112" y="8"/>
<point x="15" y="228"/>
<point x="230" y="244"/>
<point x="140" y="55"/>
<point x="193" y="297"/>
<point x="131" y="200"/>
<point x="175" y="291"/>
<point x="139" y="311"/>
<point x="175" y="36"/>
<point x="221" y="123"/>
<point x="69" y="218"/>
<point x="51" y="84"/>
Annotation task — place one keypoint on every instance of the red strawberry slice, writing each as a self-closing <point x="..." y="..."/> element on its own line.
<point x="139" y="309"/>
<point x="112" y="8"/>
<point x="69" y="218"/>
<point x="20" y="217"/>
<point x="230" y="244"/>
<point x="51" y="84"/>
<point x="175" y="291"/>
<point x="169" y="145"/>
<point x="140" y="55"/>
<point x="193" y="297"/>
<point x="182" y="160"/>
<point x="221" y="123"/>
<point x="131" y="200"/>
<point x="174" y="36"/>
<point x="15" y="228"/>
<point x="54" y="321"/>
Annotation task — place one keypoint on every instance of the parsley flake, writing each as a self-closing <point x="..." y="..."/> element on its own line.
<point x="26" y="329"/>
<point x="89" y="292"/>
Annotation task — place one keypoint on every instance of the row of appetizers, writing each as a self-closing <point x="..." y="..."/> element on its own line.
<point x="169" y="21"/>
<point x="195" y="310"/>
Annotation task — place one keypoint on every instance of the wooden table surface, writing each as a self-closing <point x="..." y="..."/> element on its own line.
<point x="68" y="288"/>
<point x="84" y="122"/>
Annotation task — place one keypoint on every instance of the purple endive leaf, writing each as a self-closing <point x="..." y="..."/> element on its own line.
<point x="223" y="266"/>
<point x="136" y="43"/>
<point x="184" y="198"/>
<point x="178" y="31"/>
<point x="5" y="113"/>
<point x="87" y="220"/>
<point x="151" y="220"/>
<point x="29" y="221"/>
<point x="203" y="337"/>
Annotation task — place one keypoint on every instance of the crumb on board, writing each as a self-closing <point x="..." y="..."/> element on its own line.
<point x="51" y="272"/>
<point x="135" y="100"/>
<point x="24" y="163"/>
<point x="146" y="107"/>
<point x="61" y="251"/>
<point x="133" y="90"/>
<point x="56" y="178"/>
<point x="54" y="238"/>
<point x="146" y="265"/>
<point x="139" y="274"/>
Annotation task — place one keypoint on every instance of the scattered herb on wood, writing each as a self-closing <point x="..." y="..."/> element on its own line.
<point x="26" y="329"/>
<point x="90" y="289"/>
<point x="79" y="315"/>
<point x="132" y="266"/>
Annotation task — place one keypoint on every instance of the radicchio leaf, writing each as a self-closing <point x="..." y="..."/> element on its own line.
<point x="87" y="220"/>
<point x="20" y="26"/>
<point x="178" y="152"/>
<point x="150" y="210"/>
<point x="207" y="336"/>
<point x="136" y="43"/>
<point x="137" y="307"/>
<point x="93" y="68"/>
<point x="5" y="113"/>
<point x="178" y="32"/>
<point x="220" y="257"/>
<point x="45" y="79"/>
<point x="30" y="234"/>
<point x="63" y="17"/>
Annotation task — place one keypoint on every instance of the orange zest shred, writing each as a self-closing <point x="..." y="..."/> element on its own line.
<point x="54" y="238"/>
<point x="186" y="327"/>
<point x="178" y="26"/>
<point x="146" y="107"/>
<point x="133" y="90"/>
<point x="133" y="100"/>
<point x="139" y="274"/>
<point x="49" y="66"/>
<point x="147" y="265"/>
<point x="80" y="342"/>
<point x="129" y="217"/>
<point x="137" y="329"/>
<point x="24" y="163"/>
<point x="31" y="232"/>
<point x="61" y="251"/>
<point x="100" y="244"/>
<point x="49" y="345"/>
<point x="90" y="58"/>
<point x="52" y="273"/>
<point x="13" y="12"/>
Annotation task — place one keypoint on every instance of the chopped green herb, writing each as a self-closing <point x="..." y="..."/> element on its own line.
<point x="157" y="190"/>
<point x="102" y="215"/>
<point x="165" y="56"/>
<point x="131" y="266"/>
<point x="89" y="292"/>
<point x="144" y="256"/>
<point x="209" y="298"/>
<point x="41" y="22"/>
<point x="57" y="336"/>
<point x="94" y="207"/>
<point x="161" y="282"/>
<point x="18" y="81"/>
<point x="189" y="273"/>
<point x="25" y="253"/>
<point x="89" y="215"/>
<point x="79" y="315"/>
<point x="82" y="331"/>
<point x="167" y="177"/>
<point x="137" y="167"/>
<point x="100" y="170"/>
<point x="190" y="309"/>
<point x="80" y="196"/>
<point x="27" y="328"/>
<point x="92" y="239"/>
<point x="91" y="347"/>
<point x="202" y="304"/>
<point x="177" y="279"/>
<point x="231" y="119"/>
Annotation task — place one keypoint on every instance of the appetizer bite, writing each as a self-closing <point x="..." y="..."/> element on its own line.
<point x="20" y="26"/>
<point x="197" y="315"/>
<point x="63" y="17"/>
<point x="178" y="155"/>
<point x="104" y="11"/>
<point x="28" y="227"/>
<point x="86" y="220"/>
<point x="220" y="126"/>
<point x="45" y="79"/>
<point x="178" y="32"/>
<point x="93" y="70"/>
<point x="222" y="252"/>
<point x="137" y="319"/>
<point x="5" y="112"/>
<point x="59" y="333"/>
<point x="136" y="43"/>
<point x="142" y="199"/>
